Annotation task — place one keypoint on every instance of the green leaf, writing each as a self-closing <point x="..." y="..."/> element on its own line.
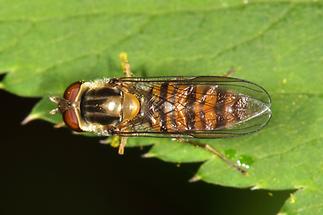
<point x="46" y="45"/>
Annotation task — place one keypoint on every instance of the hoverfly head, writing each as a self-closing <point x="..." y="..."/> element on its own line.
<point x="68" y="106"/>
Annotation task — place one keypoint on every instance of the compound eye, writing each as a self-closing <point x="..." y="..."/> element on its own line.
<point x="71" y="92"/>
<point x="71" y="120"/>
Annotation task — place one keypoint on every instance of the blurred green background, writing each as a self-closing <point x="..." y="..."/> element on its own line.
<point x="45" y="45"/>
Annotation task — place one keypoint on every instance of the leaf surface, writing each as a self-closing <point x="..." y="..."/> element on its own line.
<point x="46" y="45"/>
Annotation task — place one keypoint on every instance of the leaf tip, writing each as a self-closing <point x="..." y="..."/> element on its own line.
<point x="29" y="118"/>
<point x="195" y="178"/>
<point x="292" y="198"/>
<point x="59" y="125"/>
<point x="2" y="86"/>
<point x="148" y="155"/>
<point x="255" y="187"/>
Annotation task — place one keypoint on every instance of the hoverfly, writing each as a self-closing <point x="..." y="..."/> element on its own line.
<point x="176" y="107"/>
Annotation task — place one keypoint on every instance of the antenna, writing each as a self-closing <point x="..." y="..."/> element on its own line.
<point x="62" y="104"/>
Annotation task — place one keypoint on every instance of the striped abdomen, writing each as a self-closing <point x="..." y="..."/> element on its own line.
<point x="176" y="108"/>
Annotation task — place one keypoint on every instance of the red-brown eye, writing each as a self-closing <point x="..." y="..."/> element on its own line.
<point x="70" y="120"/>
<point x="71" y="92"/>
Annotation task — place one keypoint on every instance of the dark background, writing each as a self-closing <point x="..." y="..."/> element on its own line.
<point x="51" y="171"/>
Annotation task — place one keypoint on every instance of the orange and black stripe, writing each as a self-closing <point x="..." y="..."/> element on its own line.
<point x="198" y="107"/>
<point x="220" y="109"/>
<point x="163" y="103"/>
<point x="190" y="113"/>
<point x="180" y="107"/>
<point x="170" y="107"/>
<point x="208" y="108"/>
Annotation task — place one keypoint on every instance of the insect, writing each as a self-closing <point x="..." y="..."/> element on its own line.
<point x="176" y="107"/>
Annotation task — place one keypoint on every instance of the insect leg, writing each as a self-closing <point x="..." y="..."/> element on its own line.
<point x="125" y="66"/>
<point x="116" y="141"/>
<point x="123" y="142"/>
<point x="215" y="152"/>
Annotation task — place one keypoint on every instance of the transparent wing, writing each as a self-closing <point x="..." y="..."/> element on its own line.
<point x="257" y="108"/>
